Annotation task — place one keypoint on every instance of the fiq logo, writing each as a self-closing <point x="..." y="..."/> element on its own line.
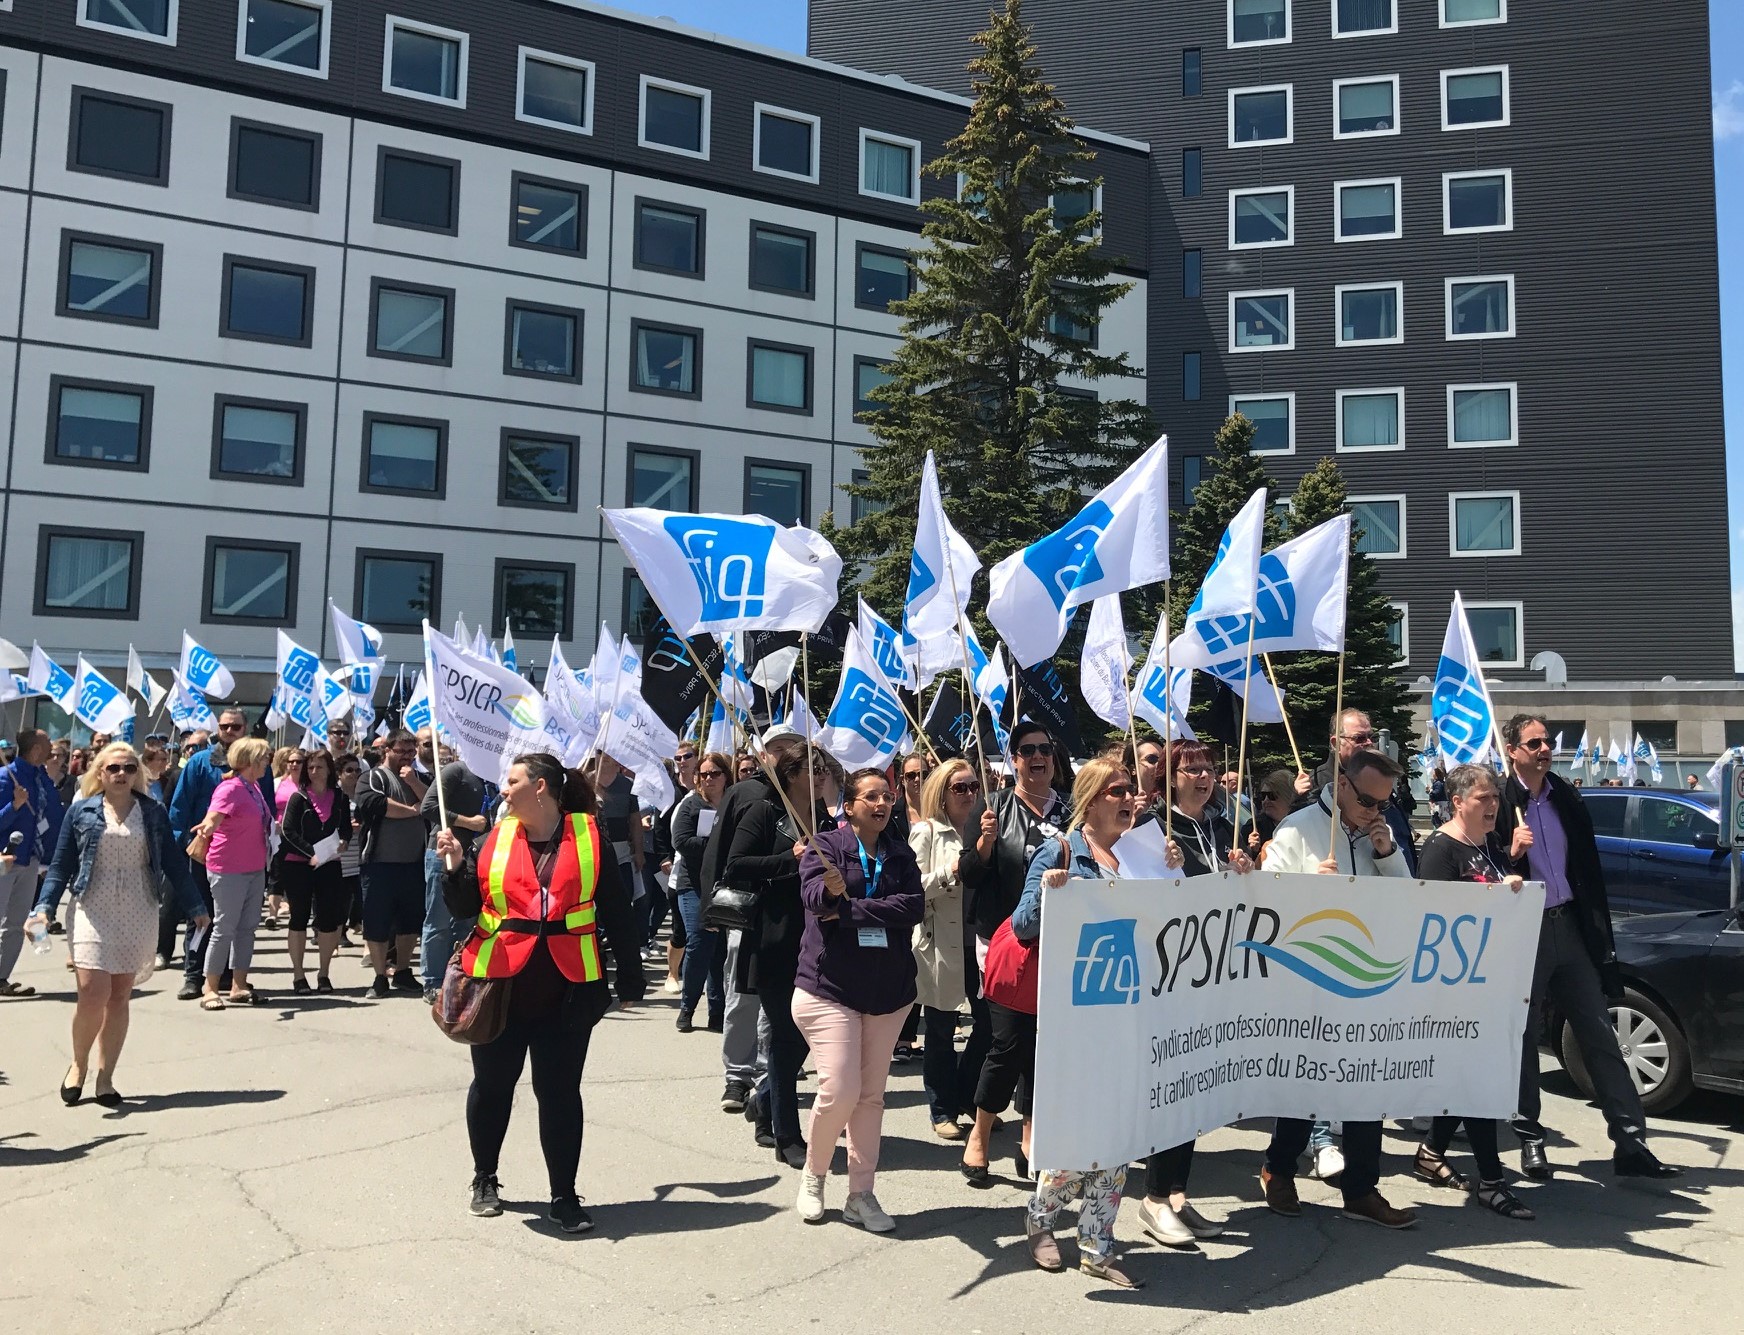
<point x="1105" y="972"/>
<point x="727" y="559"/>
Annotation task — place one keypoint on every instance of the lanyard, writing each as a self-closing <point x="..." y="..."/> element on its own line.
<point x="871" y="870"/>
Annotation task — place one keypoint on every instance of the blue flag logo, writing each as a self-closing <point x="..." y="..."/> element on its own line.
<point x="203" y="666"/>
<point x="1460" y="712"/>
<point x="298" y="673"/>
<point x="920" y="579"/>
<point x="1274" y="598"/>
<point x="60" y="682"/>
<point x="728" y="559"/>
<point x="866" y="708"/>
<point x="1105" y="972"/>
<point x="95" y="696"/>
<point x="1065" y="560"/>
<point x="886" y="653"/>
<point x="418" y="716"/>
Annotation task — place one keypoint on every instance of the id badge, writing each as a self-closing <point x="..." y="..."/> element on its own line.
<point x="874" y="936"/>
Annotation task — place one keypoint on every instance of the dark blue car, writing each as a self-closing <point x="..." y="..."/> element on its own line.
<point x="1659" y="849"/>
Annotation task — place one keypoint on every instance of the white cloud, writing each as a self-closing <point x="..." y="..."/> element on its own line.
<point x="1729" y="112"/>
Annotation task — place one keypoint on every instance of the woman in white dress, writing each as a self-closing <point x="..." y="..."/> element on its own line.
<point x="118" y="858"/>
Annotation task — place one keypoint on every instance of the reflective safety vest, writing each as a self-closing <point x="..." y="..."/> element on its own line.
<point x="516" y="912"/>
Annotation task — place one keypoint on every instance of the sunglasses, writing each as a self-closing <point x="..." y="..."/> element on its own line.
<point x="710" y="774"/>
<point x="1359" y="737"/>
<point x="229" y="727"/>
<point x="1535" y="744"/>
<point x="1368" y="803"/>
<point x="1119" y="790"/>
<point x="127" y="767"/>
<point x="913" y="776"/>
<point x="965" y="789"/>
<point x="1029" y="749"/>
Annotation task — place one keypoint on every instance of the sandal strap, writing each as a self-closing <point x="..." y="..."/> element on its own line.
<point x="1498" y="1197"/>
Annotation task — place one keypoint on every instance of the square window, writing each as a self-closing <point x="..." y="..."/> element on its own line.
<point x="100" y="425"/>
<point x="1363" y="18"/>
<point x="1192" y="272"/>
<point x="1371" y="419"/>
<point x="662" y="479"/>
<point x="103" y="278"/>
<point x="1455" y="13"/>
<point x="778" y="376"/>
<point x="1478" y="201"/>
<point x="1258" y="22"/>
<point x="119" y="136"/>
<point x="881" y="277"/>
<point x="405" y="456"/>
<point x="1471" y="99"/>
<point x="675" y="118"/>
<point x="1072" y="319"/>
<point x="413" y="190"/>
<point x="1480" y="307"/>
<point x="534" y="597"/>
<point x="153" y="20"/>
<point x="775" y="491"/>
<point x="1259" y="116"/>
<point x="1369" y="210"/>
<point x="1075" y="202"/>
<point x="538" y="471"/>
<point x="273" y="165"/>
<point x="291" y="34"/>
<point x="1482" y="415"/>
<point x="268" y="303"/>
<point x="1371" y="314"/>
<point x="869" y="374"/>
<point x="785" y="143"/>
<point x="640" y="612"/>
<point x="1496" y="632"/>
<point x="1260" y="321"/>
<point x="88" y="572"/>
<point x="425" y="62"/>
<point x="410" y="322"/>
<point x="257" y="440"/>
<point x="1274" y="419"/>
<point x="556" y="91"/>
<point x="667" y="359"/>
<point x="1192" y="73"/>
<point x="549" y="215"/>
<point x="1192" y="173"/>
<point x="669" y="238"/>
<point x="543" y="341"/>
<point x="1484" y="524"/>
<point x="889" y="167"/>
<point x="1262" y="218"/>
<point x="1191" y="366"/>
<point x="781" y="260"/>
<point x="398" y="590"/>
<point x="1364" y="107"/>
<point x="252" y="583"/>
<point x="1379" y="522"/>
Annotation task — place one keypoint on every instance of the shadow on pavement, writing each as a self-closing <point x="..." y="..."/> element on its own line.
<point x="30" y="1156"/>
<point x="196" y="1098"/>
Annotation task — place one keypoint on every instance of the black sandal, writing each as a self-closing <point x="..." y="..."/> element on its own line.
<point x="1497" y="1197"/>
<point x="1436" y="1171"/>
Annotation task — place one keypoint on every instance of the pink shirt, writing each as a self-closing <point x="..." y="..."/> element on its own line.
<point x="239" y="843"/>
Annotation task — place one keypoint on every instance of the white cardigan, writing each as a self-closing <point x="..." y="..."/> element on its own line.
<point x="1301" y="839"/>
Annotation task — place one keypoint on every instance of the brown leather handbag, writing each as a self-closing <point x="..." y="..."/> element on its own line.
<point x="467" y="1009"/>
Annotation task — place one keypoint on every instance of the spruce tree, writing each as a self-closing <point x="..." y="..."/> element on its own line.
<point x="1007" y="289"/>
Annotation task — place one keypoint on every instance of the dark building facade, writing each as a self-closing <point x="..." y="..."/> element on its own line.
<point x="1465" y="247"/>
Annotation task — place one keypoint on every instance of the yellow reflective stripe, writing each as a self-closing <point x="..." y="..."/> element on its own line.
<point x="500" y="865"/>
<point x="581" y="917"/>
<point x="586" y="856"/>
<point x="482" y="957"/>
<point x="590" y="960"/>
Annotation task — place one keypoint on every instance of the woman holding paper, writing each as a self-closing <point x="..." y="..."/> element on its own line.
<point x="316" y="824"/>
<point x="705" y="953"/>
<point x="1466" y="848"/>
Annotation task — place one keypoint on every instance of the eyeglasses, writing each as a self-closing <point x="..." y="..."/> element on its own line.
<point x="125" y="767"/>
<point x="1368" y="803"/>
<point x="1120" y="790"/>
<point x="962" y="789"/>
<point x="1359" y="737"/>
<point x="1535" y="744"/>
<point x="912" y="776"/>
<point x="1029" y="749"/>
<point x="1196" y="771"/>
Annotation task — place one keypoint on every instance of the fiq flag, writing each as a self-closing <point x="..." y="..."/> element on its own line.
<point x="1459" y="706"/>
<point x="1170" y="1008"/>
<point x="940" y="573"/>
<point x="49" y="678"/>
<point x="866" y="725"/>
<point x="712" y="573"/>
<point x="490" y="714"/>
<point x="201" y="669"/>
<point x="1107" y="663"/>
<point x="99" y="704"/>
<point x="1118" y="541"/>
<point x="188" y="708"/>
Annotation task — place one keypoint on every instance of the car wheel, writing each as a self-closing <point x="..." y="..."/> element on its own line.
<point x="1653" y="1049"/>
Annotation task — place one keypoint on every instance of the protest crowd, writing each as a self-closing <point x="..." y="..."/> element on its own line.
<point x="825" y="898"/>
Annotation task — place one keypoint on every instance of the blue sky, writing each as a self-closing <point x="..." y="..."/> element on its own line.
<point x="781" y="23"/>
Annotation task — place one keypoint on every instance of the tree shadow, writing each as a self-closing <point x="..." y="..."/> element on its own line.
<point x="195" y="1098"/>
<point x="30" y="1156"/>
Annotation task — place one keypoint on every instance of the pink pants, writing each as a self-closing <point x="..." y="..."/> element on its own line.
<point x="852" y="1052"/>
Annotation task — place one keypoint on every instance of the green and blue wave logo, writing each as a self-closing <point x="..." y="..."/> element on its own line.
<point x="1323" y="949"/>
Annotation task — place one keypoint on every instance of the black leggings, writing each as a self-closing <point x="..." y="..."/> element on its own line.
<point x="1010" y="1065"/>
<point x="1481" y="1132"/>
<point x="559" y="1054"/>
<point x="318" y="892"/>
<point x="1167" y="1171"/>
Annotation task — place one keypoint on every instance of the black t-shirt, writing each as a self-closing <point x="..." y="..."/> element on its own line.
<point x="538" y="988"/>
<point x="1444" y="858"/>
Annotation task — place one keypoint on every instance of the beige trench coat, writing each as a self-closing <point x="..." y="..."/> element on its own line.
<point x="938" y="940"/>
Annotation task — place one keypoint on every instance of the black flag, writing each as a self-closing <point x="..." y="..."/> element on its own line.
<point x="1045" y="700"/>
<point x="671" y="684"/>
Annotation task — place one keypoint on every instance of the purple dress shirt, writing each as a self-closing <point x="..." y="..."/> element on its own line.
<point x="1548" y="857"/>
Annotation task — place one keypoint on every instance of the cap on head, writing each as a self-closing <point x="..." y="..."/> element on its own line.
<point x="777" y="731"/>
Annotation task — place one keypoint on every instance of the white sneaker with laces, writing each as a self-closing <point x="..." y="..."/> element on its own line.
<point x="1328" y="1162"/>
<point x="811" y="1197"/>
<point x="863" y="1209"/>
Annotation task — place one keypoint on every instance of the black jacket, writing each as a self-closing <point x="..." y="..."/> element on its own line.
<point x="760" y="857"/>
<point x="1585" y="876"/>
<point x="302" y="827"/>
<point x="995" y="884"/>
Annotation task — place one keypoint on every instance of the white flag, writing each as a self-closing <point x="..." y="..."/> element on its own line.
<point x="1118" y="541"/>
<point x="331" y="694"/>
<point x="140" y="682"/>
<point x="297" y="666"/>
<point x="714" y="573"/>
<point x="99" y="704"/>
<point x="1160" y="699"/>
<point x="804" y="722"/>
<point x="491" y="715"/>
<point x="1302" y="590"/>
<point x="201" y="669"/>
<point x="188" y="708"/>
<point x="415" y="717"/>
<point x="49" y="678"/>
<point x="512" y="663"/>
<point x="1459" y="706"/>
<point x="1217" y="624"/>
<point x="1107" y="663"/>
<point x="1580" y="752"/>
<point x="940" y="573"/>
<point x="886" y="645"/>
<point x="1717" y="771"/>
<point x="865" y="727"/>
<point x="571" y="702"/>
<point x="357" y="641"/>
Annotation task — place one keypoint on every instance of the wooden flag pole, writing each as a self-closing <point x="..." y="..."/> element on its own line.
<point x="1337" y="714"/>
<point x="1241" y="749"/>
<point x="435" y="737"/>
<point x="1288" y="730"/>
<point x="1168" y="720"/>
<point x="969" y="682"/>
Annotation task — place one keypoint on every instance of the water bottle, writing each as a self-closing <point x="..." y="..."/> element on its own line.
<point x="40" y="941"/>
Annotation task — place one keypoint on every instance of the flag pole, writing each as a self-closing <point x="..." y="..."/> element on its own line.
<point x="805" y="680"/>
<point x="969" y="680"/>
<point x="1337" y="714"/>
<point x="1168" y="720"/>
<point x="1241" y="749"/>
<point x="435" y="735"/>
<point x="1289" y="732"/>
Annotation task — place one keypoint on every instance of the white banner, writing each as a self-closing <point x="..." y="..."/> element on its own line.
<point x="1170" y="1008"/>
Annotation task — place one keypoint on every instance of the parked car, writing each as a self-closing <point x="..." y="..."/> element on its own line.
<point x="1680" y="1023"/>
<point x="1659" y="849"/>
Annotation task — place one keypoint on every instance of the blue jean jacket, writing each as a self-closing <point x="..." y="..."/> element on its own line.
<point x="1081" y="865"/>
<point x="77" y="851"/>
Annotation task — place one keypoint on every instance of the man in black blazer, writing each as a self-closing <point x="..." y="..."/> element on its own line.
<point x="1549" y="835"/>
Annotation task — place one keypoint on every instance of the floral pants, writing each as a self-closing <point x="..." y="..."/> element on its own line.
<point x="1101" y="1190"/>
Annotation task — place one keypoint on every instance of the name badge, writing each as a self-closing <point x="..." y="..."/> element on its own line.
<point x="874" y="936"/>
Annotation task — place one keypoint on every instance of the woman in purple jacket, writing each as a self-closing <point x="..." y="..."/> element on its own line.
<point x="862" y="894"/>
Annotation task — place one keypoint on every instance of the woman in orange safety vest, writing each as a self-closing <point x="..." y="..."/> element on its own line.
<point x="543" y="886"/>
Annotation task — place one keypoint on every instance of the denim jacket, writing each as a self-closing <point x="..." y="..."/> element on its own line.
<point x="1081" y="865"/>
<point x="77" y="851"/>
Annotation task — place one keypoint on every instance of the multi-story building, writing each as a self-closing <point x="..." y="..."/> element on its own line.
<point x="1465" y="247"/>
<point x="379" y="301"/>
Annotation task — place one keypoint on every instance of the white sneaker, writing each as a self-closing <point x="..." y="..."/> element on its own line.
<point x="811" y="1197"/>
<point x="1328" y="1163"/>
<point x="672" y="985"/>
<point x="863" y="1209"/>
<point x="1163" y="1224"/>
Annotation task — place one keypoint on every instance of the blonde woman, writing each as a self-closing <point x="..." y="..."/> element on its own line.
<point x="947" y="800"/>
<point x="117" y="856"/>
<point x="239" y="824"/>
